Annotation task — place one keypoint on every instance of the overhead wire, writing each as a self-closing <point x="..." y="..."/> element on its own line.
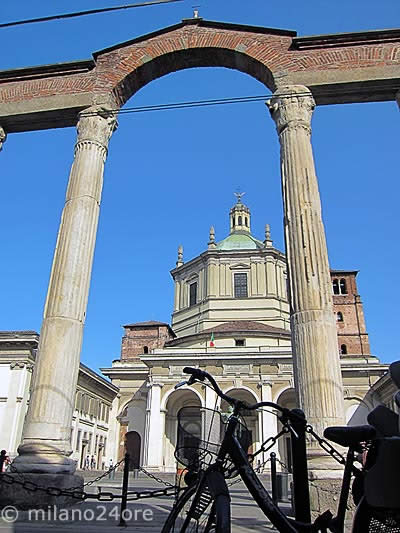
<point x="196" y="103"/>
<point x="178" y="105"/>
<point x="83" y="13"/>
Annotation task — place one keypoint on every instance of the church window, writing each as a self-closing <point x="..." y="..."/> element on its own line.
<point x="145" y="349"/>
<point x="240" y="221"/>
<point x="193" y="294"/>
<point x="335" y="286"/>
<point x="339" y="316"/>
<point x="240" y="284"/>
<point x="343" y="349"/>
<point x="233" y="221"/>
<point x="240" y="342"/>
<point x="342" y="286"/>
<point x="246" y="221"/>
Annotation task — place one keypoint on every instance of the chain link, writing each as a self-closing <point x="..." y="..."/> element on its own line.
<point x="104" y="474"/>
<point x="168" y="491"/>
<point x="155" y="478"/>
<point x="325" y="445"/>
<point x="78" y="494"/>
<point x="265" y="446"/>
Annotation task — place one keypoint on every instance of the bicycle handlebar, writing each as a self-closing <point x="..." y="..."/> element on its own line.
<point x="201" y="375"/>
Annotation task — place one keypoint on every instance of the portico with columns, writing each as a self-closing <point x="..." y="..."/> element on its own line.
<point x="301" y="72"/>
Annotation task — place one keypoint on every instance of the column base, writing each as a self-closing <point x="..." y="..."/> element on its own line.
<point x="39" y="458"/>
<point x="325" y="493"/>
<point x="16" y="495"/>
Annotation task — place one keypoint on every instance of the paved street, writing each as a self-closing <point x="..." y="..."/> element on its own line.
<point x="145" y="515"/>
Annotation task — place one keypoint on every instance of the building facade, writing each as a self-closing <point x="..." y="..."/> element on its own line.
<point x="93" y="401"/>
<point x="231" y="317"/>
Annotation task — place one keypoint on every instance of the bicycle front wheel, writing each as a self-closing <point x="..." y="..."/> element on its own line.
<point x="204" y="507"/>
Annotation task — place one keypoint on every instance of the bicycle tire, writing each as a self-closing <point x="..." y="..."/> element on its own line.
<point x="203" y="508"/>
<point x="370" y="520"/>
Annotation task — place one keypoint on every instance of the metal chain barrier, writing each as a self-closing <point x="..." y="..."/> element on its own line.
<point x="168" y="491"/>
<point x="155" y="478"/>
<point x="22" y="479"/>
<point x="78" y="494"/>
<point x="104" y="474"/>
<point x="269" y="443"/>
<point x="82" y="496"/>
<point x="325" y="445"/>
<point x="285" y="467"/>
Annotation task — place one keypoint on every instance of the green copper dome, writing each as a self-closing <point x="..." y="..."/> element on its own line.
<point x="240" y="241"/>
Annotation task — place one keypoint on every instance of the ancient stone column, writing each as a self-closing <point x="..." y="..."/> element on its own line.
<point x="3" y="137"/>
<point x="314" y="337"/>
<point x="46" y="437"/>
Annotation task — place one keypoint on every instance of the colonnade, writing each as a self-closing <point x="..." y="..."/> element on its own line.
<point x="46" y="438"/>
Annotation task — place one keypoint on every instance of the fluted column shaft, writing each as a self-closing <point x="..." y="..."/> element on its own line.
<point x="314" y="336"/>
<point x="48" y="423"/>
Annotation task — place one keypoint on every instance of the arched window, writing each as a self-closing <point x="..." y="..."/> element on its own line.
<point x="343" y="349"/>
<point x="233" y="221"/>
<point x="339" y="316"/>
<point x="239" y="220"/>
<point x="343" y="288"/>
<point x="246" y="221"/>
<point x="145" y="349"/>
<point x="335" y="286"/>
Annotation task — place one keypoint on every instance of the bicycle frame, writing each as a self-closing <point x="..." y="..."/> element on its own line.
<point x="232" y="447"/>
<point x="296" y="422"/>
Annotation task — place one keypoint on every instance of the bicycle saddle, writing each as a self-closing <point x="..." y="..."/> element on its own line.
<point x="385" y="421"/>
<point x="350" y="435"/>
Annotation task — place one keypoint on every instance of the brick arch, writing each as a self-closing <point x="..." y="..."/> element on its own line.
<point x="193" y="58"/>
<point x="125" y="68"/>
<point x="338" y="68"/>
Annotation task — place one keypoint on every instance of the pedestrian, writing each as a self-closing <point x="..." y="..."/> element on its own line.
<point x="87" y="463"/>
<point x="5" y="461"/>
<point x="93" y="462"/>
<point x="111" y="470"/>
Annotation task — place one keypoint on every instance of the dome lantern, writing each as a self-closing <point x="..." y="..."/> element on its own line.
<point x="239" y="216"/>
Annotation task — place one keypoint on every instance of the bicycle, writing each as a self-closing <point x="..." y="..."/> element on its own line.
<point x="204" y="506"/>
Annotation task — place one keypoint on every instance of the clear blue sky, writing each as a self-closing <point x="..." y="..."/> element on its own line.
<point x="172" y="174"/>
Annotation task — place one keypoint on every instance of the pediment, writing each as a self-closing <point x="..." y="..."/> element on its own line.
<point x="240" y="266"/>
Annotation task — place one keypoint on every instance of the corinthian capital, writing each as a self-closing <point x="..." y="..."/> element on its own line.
<point x="96" y="124"/>
<point x="292" y="106"/>
<point x="3" y="136"/>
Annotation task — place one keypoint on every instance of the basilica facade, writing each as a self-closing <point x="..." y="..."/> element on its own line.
<point x="230" y="317"/>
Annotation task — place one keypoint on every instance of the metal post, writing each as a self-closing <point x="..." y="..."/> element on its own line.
<point x="124" y="498"/>
<point x="273" y="478"/>
<point x="301" y="494"/>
